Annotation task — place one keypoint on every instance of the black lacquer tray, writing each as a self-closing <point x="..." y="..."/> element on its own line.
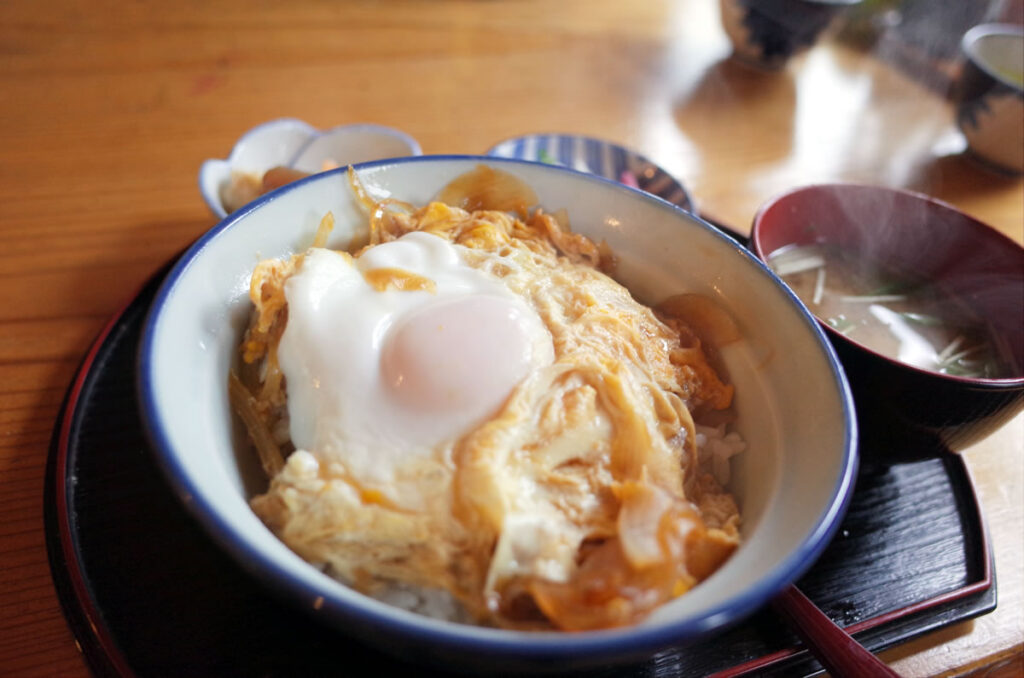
<point x="147" y="593"/>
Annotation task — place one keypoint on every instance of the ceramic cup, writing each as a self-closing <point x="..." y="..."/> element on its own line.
<point x="766" y="33"/>
<point x="990" y="95"/>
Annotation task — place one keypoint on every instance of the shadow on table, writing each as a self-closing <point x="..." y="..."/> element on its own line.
<point x="959" y="176"/>
<point x="756" y="106"/>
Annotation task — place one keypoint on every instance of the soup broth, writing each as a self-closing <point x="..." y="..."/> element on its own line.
<point x="892" y="313"/>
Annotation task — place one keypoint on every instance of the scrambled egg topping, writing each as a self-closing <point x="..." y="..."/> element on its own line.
<point x="580" y="505"/>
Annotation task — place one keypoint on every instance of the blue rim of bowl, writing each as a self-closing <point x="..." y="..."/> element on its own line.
<point x="632" y="641"/>
<point x="562" y="147"/>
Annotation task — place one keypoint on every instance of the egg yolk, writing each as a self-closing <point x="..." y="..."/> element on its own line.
<point x="461" y="353"/>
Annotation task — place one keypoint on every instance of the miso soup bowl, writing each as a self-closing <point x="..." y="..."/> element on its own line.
<point x="794" y="408"/>
<point x="903" y="410"/>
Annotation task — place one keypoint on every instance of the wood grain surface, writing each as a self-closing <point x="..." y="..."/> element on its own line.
<point x="108" y="108"/>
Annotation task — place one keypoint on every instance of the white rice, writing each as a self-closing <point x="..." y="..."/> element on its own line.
<point x="715" y="447"/>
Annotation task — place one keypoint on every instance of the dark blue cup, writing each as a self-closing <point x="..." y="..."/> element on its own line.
<point x="766" y="33"/>
<point x="990" y="95"/>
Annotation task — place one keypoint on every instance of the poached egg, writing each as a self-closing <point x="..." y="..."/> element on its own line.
<point x="391" y="355"/>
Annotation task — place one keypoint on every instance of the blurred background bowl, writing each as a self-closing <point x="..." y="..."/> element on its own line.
<point x="990" y="95"/>
<point x="597" y="156"/>
<point x="766" y="33"/>
<point x="793" y="405"/>
<point x="904" y="410"/>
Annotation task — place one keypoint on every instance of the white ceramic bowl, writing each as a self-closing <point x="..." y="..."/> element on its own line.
<point x="288" y="142"/>
<point x="795" y="412"/>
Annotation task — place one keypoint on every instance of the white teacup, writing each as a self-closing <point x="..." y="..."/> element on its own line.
<point x="990" y="95"/>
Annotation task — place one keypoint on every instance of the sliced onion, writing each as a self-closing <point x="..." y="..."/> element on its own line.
<point x="707" y="318"/>
<point x="486" y="188"/>
<point x="244" y="405"/>
<point x="643" y="506"/>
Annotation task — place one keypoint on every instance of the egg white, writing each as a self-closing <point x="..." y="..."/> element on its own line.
<point x="381" y="382"/>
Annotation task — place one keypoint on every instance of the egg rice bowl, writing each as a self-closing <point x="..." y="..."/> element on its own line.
<point x="470" y="417"/>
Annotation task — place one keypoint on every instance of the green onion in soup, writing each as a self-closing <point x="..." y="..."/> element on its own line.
<point x="890" y="312"/>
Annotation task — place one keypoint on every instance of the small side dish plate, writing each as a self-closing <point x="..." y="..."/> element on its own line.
<point x="288" y="142"/>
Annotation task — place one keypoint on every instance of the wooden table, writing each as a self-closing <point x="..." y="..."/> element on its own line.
<point x="108" y="108"/>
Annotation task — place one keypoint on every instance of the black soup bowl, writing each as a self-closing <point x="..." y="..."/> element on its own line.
<point x="966" y="271"/>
